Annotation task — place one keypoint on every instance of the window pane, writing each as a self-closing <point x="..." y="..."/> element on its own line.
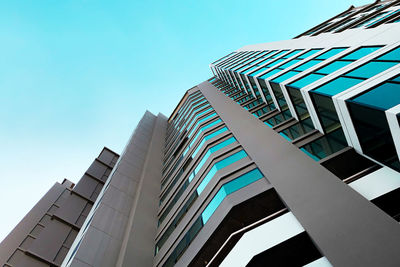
<point x="326" y="145"/>
<point x="331" y="53"/>
<point x="337" y="85"/>
<point x="290" y="63"/>
<point x="293" y="53"/>
<point x="309" y="53"/>
<point x="285" y="76"/>
<point x="310" y="78"/>
<point x="371" y="69"/>
<point x="269" y="74"/>
<point x="361" y="52"/>
<point x="334" y="66"/>
<point x="392" y="55"/>
<point x="374" y="134"/>
<point x="308" y="65"/>
<point x="383" y="97"/>
<point x="218" y="166"/>
<point x="275" y="62"/>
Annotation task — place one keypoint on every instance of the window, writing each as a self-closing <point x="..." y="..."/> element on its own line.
<point x="226" y="189"/>
<point x="299" y="129"/>
<point x="326" y="145"/>
<point x="321" y="96"/>
<point x="368" y="115"/>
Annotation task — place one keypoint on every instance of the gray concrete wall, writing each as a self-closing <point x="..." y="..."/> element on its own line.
<point x="132" y="189"/>
<point x="342" y="223"/>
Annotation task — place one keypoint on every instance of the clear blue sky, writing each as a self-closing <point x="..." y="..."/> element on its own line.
<point x="77" y="75"/>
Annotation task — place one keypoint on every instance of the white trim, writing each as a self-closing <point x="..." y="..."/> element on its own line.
<point x="391" y="116"/>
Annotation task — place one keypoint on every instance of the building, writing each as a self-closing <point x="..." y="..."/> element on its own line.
<point x="287" y="156"/>
<point x="45" y="234"/>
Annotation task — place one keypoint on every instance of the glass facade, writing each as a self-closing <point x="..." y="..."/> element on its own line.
<point x="368" y="115"/>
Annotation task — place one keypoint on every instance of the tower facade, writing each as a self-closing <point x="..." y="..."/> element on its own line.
<point x="287" y="156"/>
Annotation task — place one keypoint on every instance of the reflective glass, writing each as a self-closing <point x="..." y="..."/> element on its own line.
<point x="290" y="63"/>
<point x="382" y="18"/>
<point x="292" y="53"/>
<point x="308" y="65"/>
<point x="337" y="85"/>
<point x="326" y="145"/>
<point x="397" y="79"/>
<point x="204" y="128"/>
<point x="212" y="150"/>
<point x="299" y="129"/>
<point x="218" y="166"/>
<point x="334" y="66"/>
<point x="228" y="189"/>
<point x="383" y="97"/>
<point x="285" y="76"/>
<point x="269" y="74"/>
<point x="331" y="53"/>
<point x="370" y="19"/>
<point x="258" y="71"/>
<point x="275" y="62"/>
<point x="371" y="69"/>
<point x="309" y="53"/>
<point x="201" y="121"/>
<point x="392" y="55"/>
<point x="193" y="118"/>
<point x="279" y="54"/>
<point x="309" y="79"/>
<point x="361" y="52"/>
<point x="251" y="69"/>
<point x="208" y="137"/>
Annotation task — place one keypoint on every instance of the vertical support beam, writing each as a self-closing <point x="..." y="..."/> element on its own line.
<point x="342" y="223"/>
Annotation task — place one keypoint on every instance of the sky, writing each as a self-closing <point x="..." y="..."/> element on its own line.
<point x="77" y="75"/>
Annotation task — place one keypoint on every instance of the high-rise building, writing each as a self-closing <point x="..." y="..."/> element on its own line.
<point x="287" y="156"/>
<point x="45" y="234"/>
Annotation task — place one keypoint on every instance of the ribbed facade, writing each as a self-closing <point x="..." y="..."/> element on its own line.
<point x="287" y="156"/>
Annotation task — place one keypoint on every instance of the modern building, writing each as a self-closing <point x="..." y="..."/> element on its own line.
<point x="287" y="156"/>
<point x="46" y="233"/>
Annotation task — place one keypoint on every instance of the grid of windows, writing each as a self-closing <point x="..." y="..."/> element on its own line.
<point x="321" y="96"/>
<point x="226" y="189"/>
<point x="368" y="115"/>
<point x="294" y="87"/>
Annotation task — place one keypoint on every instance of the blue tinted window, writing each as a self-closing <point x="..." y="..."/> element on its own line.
<point x="392" y="55"/>
<point x="229" y="188"/>
<point x="290" y="63"/>
<point x="275" y="62"/>
<point x="337" y="85"/>
<point x="361" y="52"/>
<point x="251" y="69"/>
<point x="279" y="54"/>
<point x="309" y="53"/>
<point x="371" y="69"/>
<point x="212" y="150"/>
<point x="194" y="118"/>
<point x="370" y="19"/>
<point x="308" y="65"/>
<point x="201" y="121"/>
<point x="382" y="18"/>
<point x="384" y="96"/>
<point x="208" y="137"/>
<point x="218" y="166"/>
<point x="292" y="53"/>
<point x="332" y="67"/>
<point x="258" y="71"/>
<point x="309" y="79"/>
<point x="331" y="53"/>
<point x="285" y="76"/>
<point x="397" y="79"/>
<point x="203" y="129"/>
<point x="269" y="74"/>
